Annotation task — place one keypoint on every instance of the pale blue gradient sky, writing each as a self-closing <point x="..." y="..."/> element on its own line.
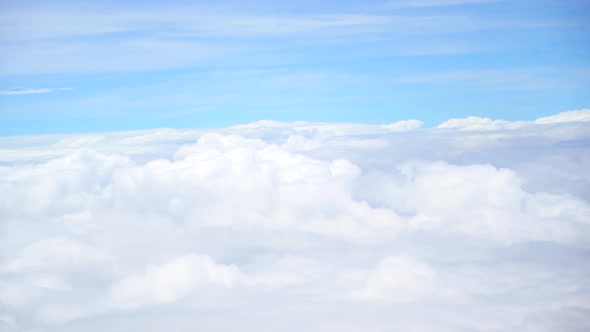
<point x="71" y="67"/>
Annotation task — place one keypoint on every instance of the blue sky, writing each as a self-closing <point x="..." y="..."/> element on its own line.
<point x="69" y="67"/>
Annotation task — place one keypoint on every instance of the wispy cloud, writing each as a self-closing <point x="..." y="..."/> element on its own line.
<point x="30" y="91"/>
<point x="531" y="78"/>
<point x="437" y="3"/>
<point x="117" y="38"/>
<point x="174" y="23"/>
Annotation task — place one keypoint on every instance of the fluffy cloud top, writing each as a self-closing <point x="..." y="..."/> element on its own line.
<point x="319" y="227"/>
<point x="569" y="116"/>
<point x="171" y="281"/>
<point x="405" y="125"/>
<point x="477" y="123"/>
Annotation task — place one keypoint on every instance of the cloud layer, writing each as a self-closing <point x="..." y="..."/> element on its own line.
<point x="477" y="224"/>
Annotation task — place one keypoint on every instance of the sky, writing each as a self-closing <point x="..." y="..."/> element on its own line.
<point x="322" y="166"/>
<point x="69" y="67"/>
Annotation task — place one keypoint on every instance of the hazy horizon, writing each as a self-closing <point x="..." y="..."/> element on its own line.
<point x="67" y="67"/>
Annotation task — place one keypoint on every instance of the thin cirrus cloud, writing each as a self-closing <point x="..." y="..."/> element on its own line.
<point x="173" y="22"/>
<point x="299" y="226"/>
<point x="437" y="3"/>
<point x="115" y="38"/>
<point x="31" y="91"/>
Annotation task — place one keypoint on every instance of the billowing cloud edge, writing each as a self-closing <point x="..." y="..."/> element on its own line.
<point x="475" y="123"/>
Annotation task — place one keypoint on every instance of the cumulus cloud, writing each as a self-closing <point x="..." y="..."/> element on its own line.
<point x="405" y="125"/>
<point x="478" y="123"/>
<point x="171" y="281"/>
<point x="581" y="115"/>
<point x="399" y="279"/>
<point x="299" y="226"/>
<point x="54" y="251"/>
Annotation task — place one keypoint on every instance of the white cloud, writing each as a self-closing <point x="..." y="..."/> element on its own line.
<point x="112" y="37"/>
<point x="399" y="279"/>
<point x="486" y="202"/>
<point x="31" y="91"/>
<point x="406" y="125"/>
<point x="54" y="252"/>
<point x="298" y="226"/>
<point x="478" y="123"/>
<point x="581" y="115"/>
<point x="516" y="79"/>
<point x="171" y="281"/>
<point x="436" y="3"/>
